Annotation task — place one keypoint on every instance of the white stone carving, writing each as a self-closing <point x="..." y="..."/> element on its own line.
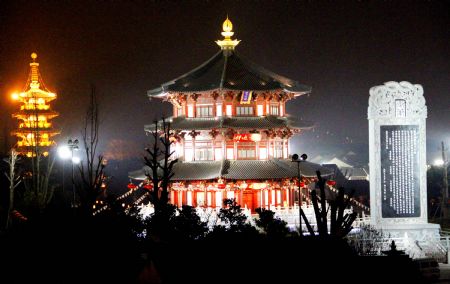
<point x="383" y="98"/>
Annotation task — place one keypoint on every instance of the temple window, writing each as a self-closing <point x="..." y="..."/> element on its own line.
<point x="281" y="110"/>
<point x="180" y="111"/>
<point x="246" y="151"/>
<point x="190" y="111"/>
<point x="204" y="154"/>
<point x="274" y="110"/>
<point x="263" y="153"/>
<point x="260" y="110"/>
<point x="230" y="153"/>
<point x="278" y="149"/>
<point x="219" y="110"/>
<point x="229" y="110"/>
<point x="244" y="111"/>
<point x="205" y="111"/>
<point x="246" y="154"/>
<point x="218" y="154"/>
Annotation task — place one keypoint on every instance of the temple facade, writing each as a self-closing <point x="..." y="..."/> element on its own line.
<point x="232" y="132"/>
<point x="35" y="129"/>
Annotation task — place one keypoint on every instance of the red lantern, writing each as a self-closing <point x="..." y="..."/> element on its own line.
<point x="131" y="185"/>
<point x="331" y="182"/>
<point x="148" y="186"/>
<point x="221" y="186"/>
<point x="302" y="184"/>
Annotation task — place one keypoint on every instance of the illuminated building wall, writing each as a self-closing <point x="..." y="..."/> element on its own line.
<point x="35" y="130"/>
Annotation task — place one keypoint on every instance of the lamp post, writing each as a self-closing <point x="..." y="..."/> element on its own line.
<point x="444" y="200"/>
<point x="73" y="145"/>
<point x="298" y="160"/>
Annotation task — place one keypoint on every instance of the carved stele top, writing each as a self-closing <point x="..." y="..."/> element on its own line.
<point x="397" y="100"/>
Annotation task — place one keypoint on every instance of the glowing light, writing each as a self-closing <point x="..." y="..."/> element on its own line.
<point x="258" y="185"/>
<point x="76" y="160"/>
<point x="256" y="137"/>
<point x="64" y="152"/>
<point x="227" y="33"/>
<point x="15" y="96"/>
<point x="438" y="162"/>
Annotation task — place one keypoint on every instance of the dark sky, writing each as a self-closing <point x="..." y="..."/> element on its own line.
<point x="340" y="48"/>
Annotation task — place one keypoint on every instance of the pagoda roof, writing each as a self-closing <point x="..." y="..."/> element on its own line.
<point x="227" y="70"/>
<point x="238" y="169"/>
<point x="236" y="122"/>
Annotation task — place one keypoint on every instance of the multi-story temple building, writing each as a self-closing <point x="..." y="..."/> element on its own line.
<point x="35" y="129"/>
<point x="232" y="133"/>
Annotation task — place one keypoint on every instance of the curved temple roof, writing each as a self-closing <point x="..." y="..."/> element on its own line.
<point x="237" y="169"/>
<point x="251" y="122"/>
<point x="227" y="70"/>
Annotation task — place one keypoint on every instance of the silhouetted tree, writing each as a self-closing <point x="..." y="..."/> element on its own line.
<point x="235" y="221"/>
<point x="38" y="190"/>
<point x="188" y="225"/>
<point x="275" y="228"/>
<point x="161" y="164"/>
<point x="92" y="168"/>
<point x="340" y="224"/>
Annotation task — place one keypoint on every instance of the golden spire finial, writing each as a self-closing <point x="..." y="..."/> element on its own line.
<point x="227" y="32"/>
<point x="34" y="84"/>
<point x="227" y="25"/>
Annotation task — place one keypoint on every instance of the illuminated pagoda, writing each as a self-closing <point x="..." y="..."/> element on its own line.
<point x="35" y="129"/>
<point x="232" y="133"/>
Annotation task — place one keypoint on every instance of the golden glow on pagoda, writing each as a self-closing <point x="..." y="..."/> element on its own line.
<point x="227" y="42"/>
<point x="35" y="128"/>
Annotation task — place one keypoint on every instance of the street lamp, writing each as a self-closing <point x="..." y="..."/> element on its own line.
<point x="298" y="160"/>
<point x="66" y="152"/>
<point x="73" y="145"/>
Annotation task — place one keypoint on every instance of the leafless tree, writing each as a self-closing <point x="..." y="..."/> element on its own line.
<point x="14" y="181"/>
<point x="92" y="168"/>
<point x="161" y="164"/>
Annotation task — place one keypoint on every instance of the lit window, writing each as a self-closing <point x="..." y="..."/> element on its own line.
<point x="260" y="110"/>
<point x="262" y="153"/>
<point x="246" y="153"/>
<point x="180" y="111"/>
<point x="218" y="154"/>
<point x="244" y="111"/>
<point x="190" y="111"/>
<point x="203" y="154"/>
<point x="230" y="153"/>
<point x="229" y="110"/>
<point x="219" y="110"/>
<point x="200" y="198"/>
<point x="204" y="111"/>
<point x="281" y="110"/>
<point x="278" y="150"/>
<point x="188" y="154"/>
<point x="219" y="199"/>
<point x="274" y="110"/>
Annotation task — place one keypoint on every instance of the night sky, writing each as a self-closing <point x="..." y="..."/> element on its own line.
<point x="340" y="48"/>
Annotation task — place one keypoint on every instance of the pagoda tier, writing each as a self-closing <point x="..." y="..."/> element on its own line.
<point x="35" y="128"/>
<point x="226" y="72"/>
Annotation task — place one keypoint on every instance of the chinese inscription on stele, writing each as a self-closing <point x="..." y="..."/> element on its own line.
<point x="400" y="190"/>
